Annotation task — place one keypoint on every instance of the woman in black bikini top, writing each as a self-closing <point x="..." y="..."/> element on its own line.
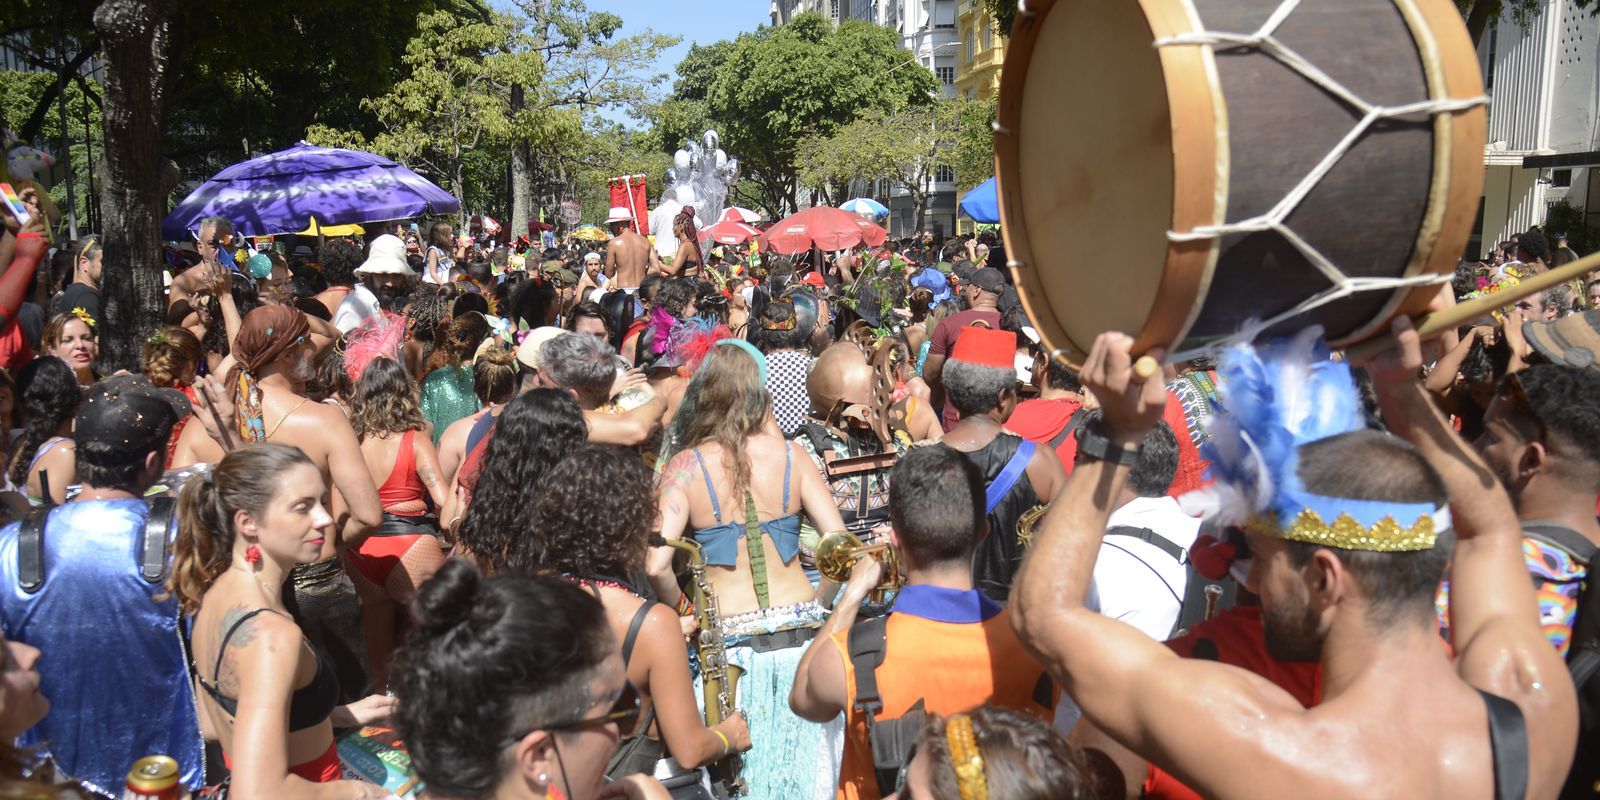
<point x="242" y="527"/>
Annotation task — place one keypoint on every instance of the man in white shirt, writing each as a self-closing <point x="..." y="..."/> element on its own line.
<point x="386" y="271"/>
<point x="661" y="221"/>
<point x="1139" y="575"/>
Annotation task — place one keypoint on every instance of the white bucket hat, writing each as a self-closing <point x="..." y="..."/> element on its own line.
<point x="619" y="214"/>
<point x="387" y="256"/>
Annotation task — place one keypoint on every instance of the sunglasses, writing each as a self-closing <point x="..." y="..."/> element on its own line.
<point x="624" y="712"/>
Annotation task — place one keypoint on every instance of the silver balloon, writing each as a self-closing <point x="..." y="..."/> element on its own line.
<point x="680" y="160"/>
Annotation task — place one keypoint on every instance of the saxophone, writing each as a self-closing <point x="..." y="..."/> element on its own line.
<point x="719" y="679"/>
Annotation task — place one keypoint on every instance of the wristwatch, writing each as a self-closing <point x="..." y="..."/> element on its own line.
<point x="1094" y="443"/>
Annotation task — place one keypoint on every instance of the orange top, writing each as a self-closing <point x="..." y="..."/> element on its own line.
<point x="952" y="650"/>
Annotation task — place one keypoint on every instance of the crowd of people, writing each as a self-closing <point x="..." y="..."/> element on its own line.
<point x="593" y="522"/>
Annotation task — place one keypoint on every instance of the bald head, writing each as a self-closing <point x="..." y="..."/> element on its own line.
<point x="840" y="373"/>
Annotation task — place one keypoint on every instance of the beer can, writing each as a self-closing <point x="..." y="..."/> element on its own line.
<point x="153" y="778"/>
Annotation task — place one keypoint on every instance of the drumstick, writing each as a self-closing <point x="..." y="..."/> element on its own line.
<point x="1461" y="313"/>
<point x="1146" y="368"/>
<point x="222" y="429"/>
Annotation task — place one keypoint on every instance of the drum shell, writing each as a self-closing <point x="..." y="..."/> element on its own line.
<point x="1218" y="135"/>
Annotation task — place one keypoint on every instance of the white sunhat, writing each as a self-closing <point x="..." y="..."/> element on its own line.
<point x="387" y="256"/>
<point x="619" y="214"/>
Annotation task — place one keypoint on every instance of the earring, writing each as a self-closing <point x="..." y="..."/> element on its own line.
<point x="252" y="554"/>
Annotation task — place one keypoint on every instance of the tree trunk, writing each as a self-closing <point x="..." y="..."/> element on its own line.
<point x="521" y="174"/>
<point x="1483" y="12"/>
<point x="135" y="41"/>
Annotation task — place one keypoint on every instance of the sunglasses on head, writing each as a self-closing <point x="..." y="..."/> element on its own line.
<point x="624" y="712"/>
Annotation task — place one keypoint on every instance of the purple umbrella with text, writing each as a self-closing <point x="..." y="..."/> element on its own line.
<point x="280" y="193"/>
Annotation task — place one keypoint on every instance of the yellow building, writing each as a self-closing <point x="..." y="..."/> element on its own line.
<point x="982" y="51"/>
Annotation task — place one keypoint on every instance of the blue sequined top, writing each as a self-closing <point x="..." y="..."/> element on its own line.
<point x="112" y="662"/>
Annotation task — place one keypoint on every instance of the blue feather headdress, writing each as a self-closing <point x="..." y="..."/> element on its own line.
<point x="1273" y="398"/>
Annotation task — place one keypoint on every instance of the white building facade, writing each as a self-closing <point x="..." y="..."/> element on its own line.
<point x="927" y="31"/>
<point x="1544" y="120"/>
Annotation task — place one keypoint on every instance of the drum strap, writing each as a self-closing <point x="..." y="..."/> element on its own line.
<point x="1008" y="477"/>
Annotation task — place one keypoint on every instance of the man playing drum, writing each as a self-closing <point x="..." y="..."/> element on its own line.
<point x="1347" y="580"/>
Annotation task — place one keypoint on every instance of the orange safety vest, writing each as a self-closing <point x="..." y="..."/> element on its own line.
<point x="942" y="647"/>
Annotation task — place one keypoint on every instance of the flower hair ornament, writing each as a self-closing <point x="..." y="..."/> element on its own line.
<point x="83" y="314"/>
<point x="1273" y="398"/>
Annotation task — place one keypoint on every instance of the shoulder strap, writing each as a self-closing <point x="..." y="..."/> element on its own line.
<point x="633" y="631"/>
<point x="1008" y="477"/>
<point x="1575" y="544"/>
<point x="866" y="643"/>
<point x="157" y="525"/>
<point x="1071" y="428"/>
<point x="1150" y="537"/>
<point x="1508" y="743"/>
<point x="226" y="637"/>
<point x="30" y="550"/>
<point x="479" y="430"/>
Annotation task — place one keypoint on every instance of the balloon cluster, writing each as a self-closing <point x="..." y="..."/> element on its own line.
<point x="707" y="173"/>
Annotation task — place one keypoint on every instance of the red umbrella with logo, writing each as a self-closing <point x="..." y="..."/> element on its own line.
<point x="731" y="232"/>
<point x="826" y="228"/>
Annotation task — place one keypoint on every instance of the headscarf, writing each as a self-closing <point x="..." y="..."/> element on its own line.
<point x="266" y="333"/>
<point x="686" y="219"/>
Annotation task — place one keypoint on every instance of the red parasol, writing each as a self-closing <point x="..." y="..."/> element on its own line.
<point x="824" y="227"/>
<point x="731" y="232"/>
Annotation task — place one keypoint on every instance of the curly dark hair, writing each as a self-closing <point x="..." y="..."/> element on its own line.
<point x="331" y="380"/>
<point x="48" y="396"/>
<point x="593" y="518"/>
<point x="458" y="342"/>
<point x="676" y="294"/>
<point x="339" y="259"/>
<point x="386" y="400"/>
<point x="489" y="659"/>
<point x="427" y="311"/>
<point x="532" y="433"/>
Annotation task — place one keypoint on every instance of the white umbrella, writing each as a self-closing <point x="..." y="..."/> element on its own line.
<point x="737" y="214"/>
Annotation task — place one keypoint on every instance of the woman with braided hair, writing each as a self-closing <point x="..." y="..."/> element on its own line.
<point x="686" y="263"/>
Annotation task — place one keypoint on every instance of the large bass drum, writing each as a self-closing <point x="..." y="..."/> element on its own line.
<point x="1178" y="169"/>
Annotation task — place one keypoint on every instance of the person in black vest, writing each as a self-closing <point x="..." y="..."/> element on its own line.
<point x="980" y="380"/>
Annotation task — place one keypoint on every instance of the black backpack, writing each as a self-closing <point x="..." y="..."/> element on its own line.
<point x="1195" y="604"/>
<point x="1583" y="660"/>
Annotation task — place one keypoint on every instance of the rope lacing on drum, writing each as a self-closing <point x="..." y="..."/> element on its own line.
<point x="1274" y="219"/>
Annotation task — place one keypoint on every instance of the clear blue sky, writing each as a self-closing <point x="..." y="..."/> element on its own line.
<point x="694" y="21"/>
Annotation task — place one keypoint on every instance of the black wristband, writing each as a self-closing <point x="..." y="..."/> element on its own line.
<point x="1094" y="443"/>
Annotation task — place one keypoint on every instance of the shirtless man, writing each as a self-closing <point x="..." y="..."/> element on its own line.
<point x="628" y="255"/>
<point x="1399" y="718"/>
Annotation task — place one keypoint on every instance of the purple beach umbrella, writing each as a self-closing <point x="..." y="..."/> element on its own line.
<point x="280" y="193"/>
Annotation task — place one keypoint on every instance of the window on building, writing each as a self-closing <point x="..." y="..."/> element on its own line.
<point x="944" y="14"/>
<point x="947" y="75"/>
<point x="944" y="174"/>
<point x="988" y="36"/>
<point x="883" y="188"/>
<point x="1561" y="177"/>
<point x="969" y="45"/>
<point x="833" y="10"/>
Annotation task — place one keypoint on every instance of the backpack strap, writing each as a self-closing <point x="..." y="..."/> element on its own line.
<point x="1573" y="543"/>
<point x="157" y="525"/>
<point x="1508" y="744"/>
<point x="1150" y="537"/>
<point x="1071" y="427"/>
<point x="1008" y="477"/>
<point x="30" y="550"/>
<point x="866" y="643"/>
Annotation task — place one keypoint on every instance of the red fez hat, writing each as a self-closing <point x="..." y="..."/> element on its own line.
<point x="986" y="347"/>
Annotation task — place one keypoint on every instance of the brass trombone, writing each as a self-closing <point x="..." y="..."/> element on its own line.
<point x="838" y="552"/>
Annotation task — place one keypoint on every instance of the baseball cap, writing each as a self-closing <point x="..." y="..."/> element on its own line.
<point x="124" y="418"/>
<point x="989" y="279"/>
<point x="814" y="279"/>
<point x="529" y="351"/>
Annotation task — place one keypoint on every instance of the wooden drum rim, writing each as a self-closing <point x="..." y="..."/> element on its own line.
<point x="1198" y="118"/>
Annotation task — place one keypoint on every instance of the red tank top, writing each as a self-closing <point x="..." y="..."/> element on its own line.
<point x="402" y="485"/>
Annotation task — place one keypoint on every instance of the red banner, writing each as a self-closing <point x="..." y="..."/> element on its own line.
<point x="629" y="192"/>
